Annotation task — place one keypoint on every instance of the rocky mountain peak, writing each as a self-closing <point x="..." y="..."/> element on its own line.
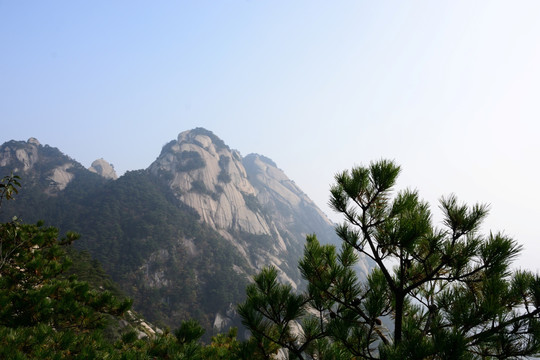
<point x="20" y="155"/>
<point x="33" y="141"/>
<point x="34" y="161"/>
<point x="104" y="169"/>
<point x="207" y="175"/>
<point x="250" y="201"/>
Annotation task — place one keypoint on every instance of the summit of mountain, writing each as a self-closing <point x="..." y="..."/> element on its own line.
<point x="103" y="168"/>
<point x="248" y="200"/>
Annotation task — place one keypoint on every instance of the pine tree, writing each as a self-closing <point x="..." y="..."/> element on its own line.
<point x="435" y="293"/>
<point x="44" y="313"/>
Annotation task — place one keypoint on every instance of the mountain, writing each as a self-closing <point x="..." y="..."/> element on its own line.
<point x="249" y="201"/>
<point x="182" y="237"/>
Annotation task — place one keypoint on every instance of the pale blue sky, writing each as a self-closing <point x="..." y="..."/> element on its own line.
<point x="449" y="89"/>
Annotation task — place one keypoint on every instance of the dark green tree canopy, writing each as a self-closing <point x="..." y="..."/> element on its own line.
<point x="436" y="292"/>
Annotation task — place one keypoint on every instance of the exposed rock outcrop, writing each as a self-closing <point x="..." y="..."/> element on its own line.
<point x="33" y="160"/>
<point x="103" y="168"/>
<point x="210" y="178"/>
<point x="20" y="155"/>
<point x="250" y="201"/>
<point x="60" y="177"/>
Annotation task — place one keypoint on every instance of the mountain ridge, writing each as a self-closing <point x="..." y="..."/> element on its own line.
<point x="182" y="237"/>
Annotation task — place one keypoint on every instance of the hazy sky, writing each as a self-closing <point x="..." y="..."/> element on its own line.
<point x="448" y="89"/>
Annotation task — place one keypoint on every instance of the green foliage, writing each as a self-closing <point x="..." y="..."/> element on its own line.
<point x="270" y="311"/>
<point x="90" y="270"/>
<point x="219" y="191"/>
<point x="218" y="143"/>
<point x="443" y="293"/>
<point x="251" y="202"/>
<point x="223" y="175"/>
<point x="199" y="187"/>
<point x="44" y="314"/>
<point x="189" y="331"/>
<point x="167" y="148"/>
<point x="190" y="160"/>
<point x="8" y="187"/>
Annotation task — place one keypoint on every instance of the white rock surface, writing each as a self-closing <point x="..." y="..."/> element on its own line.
<point x="103" y="168"/>
<point x="27" y="155"/>
<point x="247" y="195"/>
<point x="220" y="204"/>
<point x="61" y="176"/>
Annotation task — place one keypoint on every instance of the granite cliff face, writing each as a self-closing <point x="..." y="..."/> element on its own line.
<point x="209" y="177"/>
<point x="249" y="201"/>
<point x="103" y="168"/>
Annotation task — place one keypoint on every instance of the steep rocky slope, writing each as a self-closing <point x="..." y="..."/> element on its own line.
<point x="249" y="201"/>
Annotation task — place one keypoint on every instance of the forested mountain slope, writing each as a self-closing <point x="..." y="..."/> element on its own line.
<point x="183" y="237"/>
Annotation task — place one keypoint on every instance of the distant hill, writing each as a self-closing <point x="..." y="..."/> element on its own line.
<point x="183" y="237"/>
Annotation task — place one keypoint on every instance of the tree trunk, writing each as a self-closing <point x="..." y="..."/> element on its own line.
<point x="398" y="322"/>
